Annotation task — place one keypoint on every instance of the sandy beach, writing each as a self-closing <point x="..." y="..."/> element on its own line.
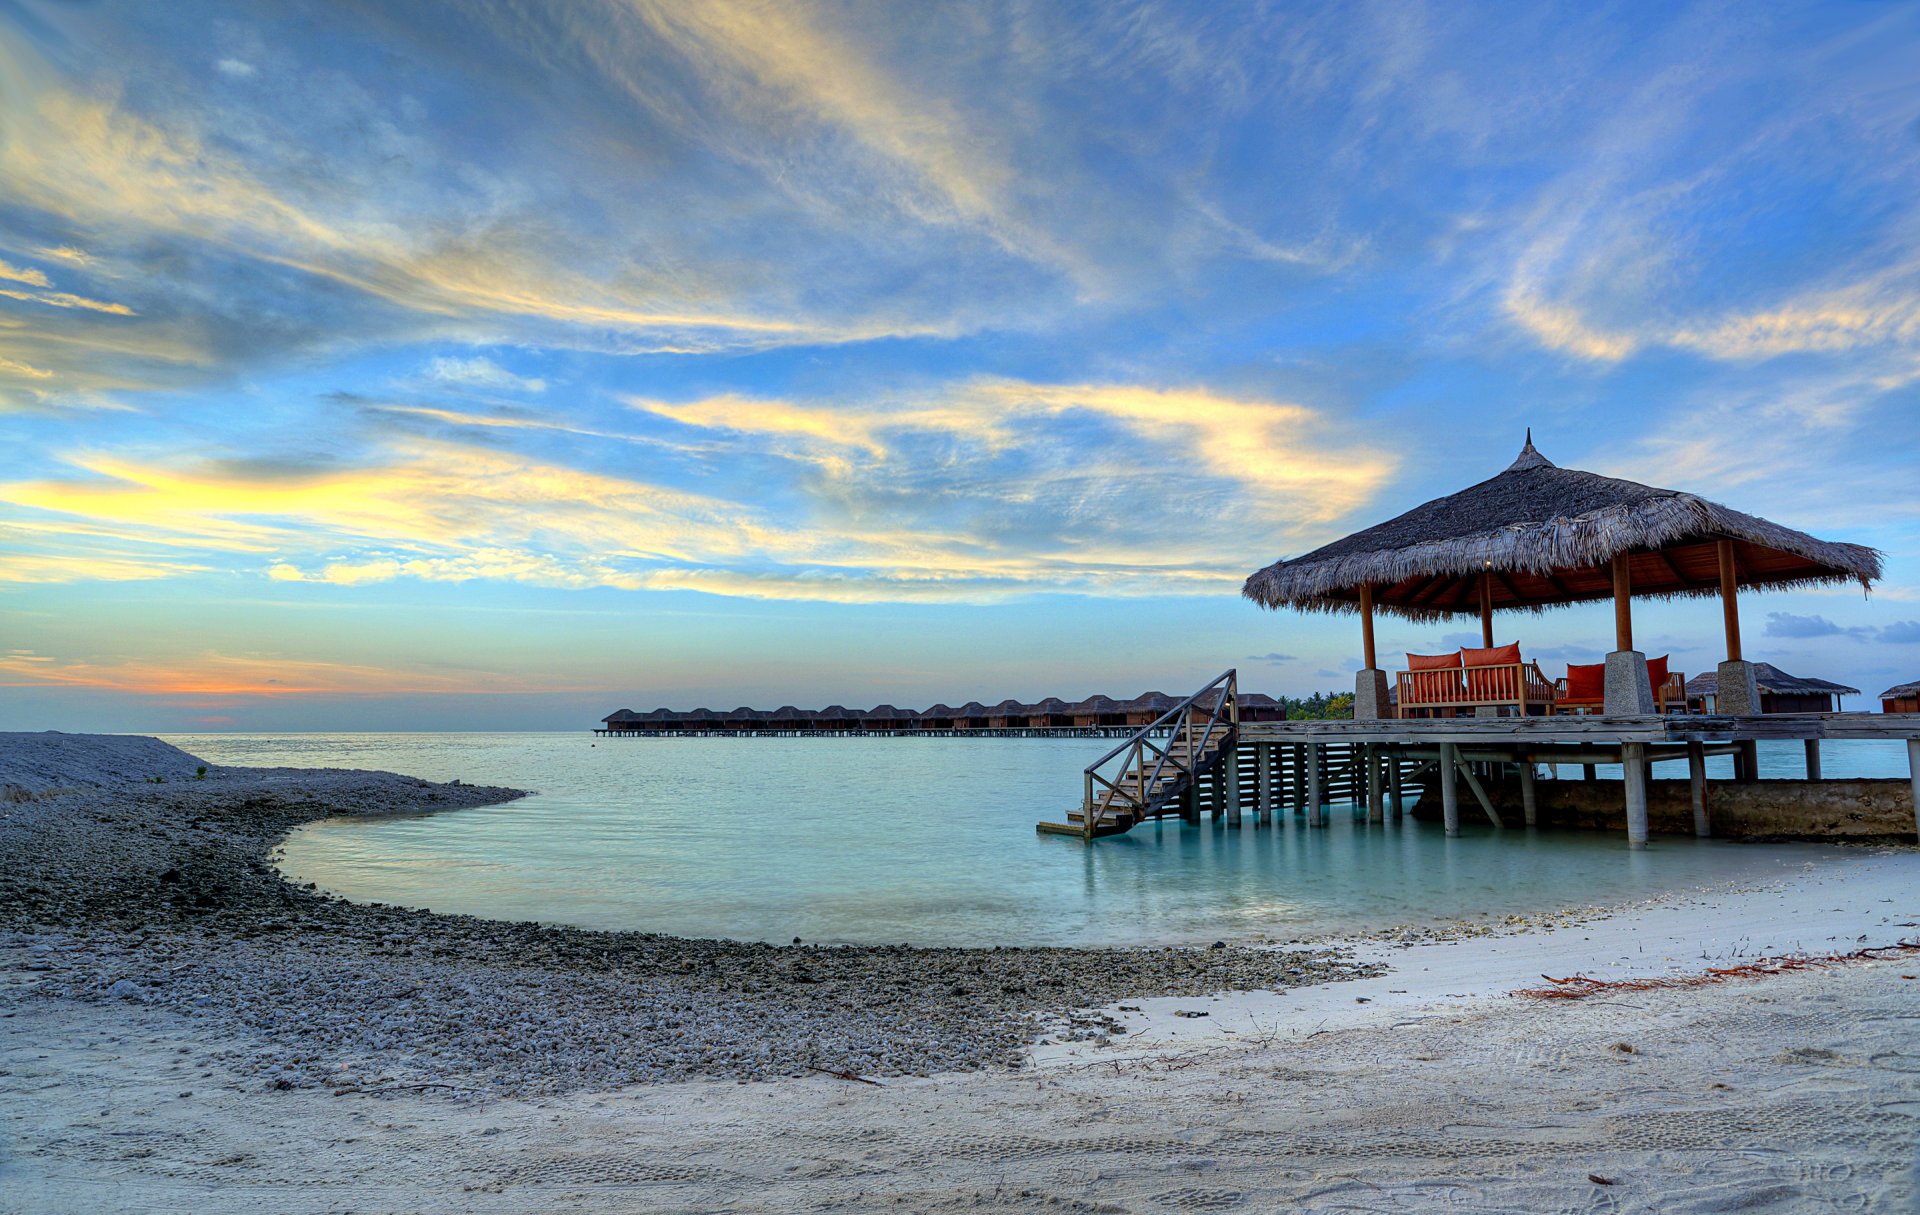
<point x="219" y="1040"/>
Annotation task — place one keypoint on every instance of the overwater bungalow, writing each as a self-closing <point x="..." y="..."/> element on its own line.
<point x="938" y="717"/>
<point x="1258" y="706"/>
<point x="972" y="716"/>
<point x="1009" y="715"/>
<point x="1051" y="713"/>
<point x="836" y="718"/>
<point x="1099" y="711"/>
<point x="1147" y="708"/>
<point x="1779" y="692"/>
<point x="888" y="719"/>
<point x="1902" y="698"/>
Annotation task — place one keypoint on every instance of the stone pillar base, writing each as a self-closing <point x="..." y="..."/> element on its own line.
<point x="1370" y="701"/>
<point x="1629" y="693"/>
<point x="1738" y="694"/>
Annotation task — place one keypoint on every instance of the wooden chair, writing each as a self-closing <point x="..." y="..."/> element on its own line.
<point x="1443" y="685"/>
<point x="1584" y="688"/>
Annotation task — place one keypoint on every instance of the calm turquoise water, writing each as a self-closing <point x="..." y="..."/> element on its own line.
<point x="928" y="841"/>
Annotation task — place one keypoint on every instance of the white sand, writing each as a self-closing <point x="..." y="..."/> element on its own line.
<point x="1794" y="1093"/>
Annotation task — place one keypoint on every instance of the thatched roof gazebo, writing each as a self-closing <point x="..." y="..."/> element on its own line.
<point x="1539" y="536"/>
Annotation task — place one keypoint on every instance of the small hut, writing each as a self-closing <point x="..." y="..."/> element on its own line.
<point x="1904" y="698"/>
<point x="1051" y="713"/>
<point x="1099" y="711"/>
<point x="1146" y="708"/>
<point x="971" y="716"/>
<point x="1538" y="536"/>
<point x="621" y="721"/>
<point x="1258" y="706"/>
<point x="888" y="719"/>
<point x="1779" y="692"/>
<point x="1009" y="715"/>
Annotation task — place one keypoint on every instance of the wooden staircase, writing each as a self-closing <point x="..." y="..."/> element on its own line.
<point x="1154" y="773"/>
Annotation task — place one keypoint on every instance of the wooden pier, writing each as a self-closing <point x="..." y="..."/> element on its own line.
<point x="1214" y="764"/>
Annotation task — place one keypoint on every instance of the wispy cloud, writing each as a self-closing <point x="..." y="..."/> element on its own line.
<point x="251" y="675"/>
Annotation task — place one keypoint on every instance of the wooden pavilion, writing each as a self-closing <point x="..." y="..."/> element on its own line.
<point x="1538" y="536"/>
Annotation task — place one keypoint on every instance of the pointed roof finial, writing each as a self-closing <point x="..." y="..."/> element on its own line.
<point x="1529" y="457"/>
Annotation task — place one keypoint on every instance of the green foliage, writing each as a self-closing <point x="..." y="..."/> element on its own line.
<point x="200" y="773"/>
<point x="1321" y="706"/>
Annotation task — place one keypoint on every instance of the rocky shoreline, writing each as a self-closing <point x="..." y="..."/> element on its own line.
<point x="129" y="871"/>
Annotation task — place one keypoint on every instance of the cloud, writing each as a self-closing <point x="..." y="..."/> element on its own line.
<point x="482" y="373"/>
<point x="1275" y="659"/>
<point x="24" y="274"/>
<point x="236" y="69"/>
<point x="66" y="299"/>
<point x="1785" y="624"/>
<point x="217" y="674"/>
<point x="1902" y="632"/>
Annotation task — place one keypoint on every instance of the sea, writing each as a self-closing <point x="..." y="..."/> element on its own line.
<point x="930" y="841"/>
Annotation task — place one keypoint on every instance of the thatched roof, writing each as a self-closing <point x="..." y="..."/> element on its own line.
<point x="1545" y="535"/>
<point x="1772" y="679"/>
<point x="1904" y="689"/>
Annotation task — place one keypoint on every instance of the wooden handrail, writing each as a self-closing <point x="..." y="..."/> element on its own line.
<point x="1179" y="721"/>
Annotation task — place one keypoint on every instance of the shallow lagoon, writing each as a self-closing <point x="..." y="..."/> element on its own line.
<point x="930" y="841"/>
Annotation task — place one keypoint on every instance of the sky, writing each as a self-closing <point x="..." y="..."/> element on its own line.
<point x="496" y="366"/>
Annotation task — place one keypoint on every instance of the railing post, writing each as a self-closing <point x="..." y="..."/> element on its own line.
<point x="1316" y="814"/>
<point x="1086" y="810"/>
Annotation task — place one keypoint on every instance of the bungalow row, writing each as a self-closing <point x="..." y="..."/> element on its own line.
<point x="1095" y="712"/>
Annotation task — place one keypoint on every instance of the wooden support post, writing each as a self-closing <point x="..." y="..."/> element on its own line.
<point x="1813" y="759"/>
<point x="1729" y="599"/>
<point x="1622" y="603"/>
<point x="1230" y="762"/>
<point x="1633" y="760"/>
<point x="1749" y="762"/>
<point x="1479" y="792"/>
<point x="1697" y="786"/>
<point x="1263" y="768"/>
<point x="1486" y="609"/>
<point x="1316" y="814"/>
<point x="1587" y="773"/>
<point x="1366" y="625"/>
<point x="1393" y="780"/>
<point x="1913" y="778"/>
<point x="1376" y="795"/>
<point x="1449" y="792"/>
<point x="1529" y="796"/>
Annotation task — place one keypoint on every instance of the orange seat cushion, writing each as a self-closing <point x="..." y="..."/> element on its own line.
<point x="1587" y="682"/>
<point x="1433" y="679"/>
<point x="1492" y="685"/>
<point x="1494" y="657"/>
<point x="1657" y="671"/>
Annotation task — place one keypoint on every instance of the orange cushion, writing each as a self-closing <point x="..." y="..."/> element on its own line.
<point x="1657" y="671"/>
<point x="1587" y="682"/>
<point x="1433" y="662"/>
<point x="1491" y="658"/>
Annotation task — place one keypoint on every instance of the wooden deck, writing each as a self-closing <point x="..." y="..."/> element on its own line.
<point x="1268" y="769"/>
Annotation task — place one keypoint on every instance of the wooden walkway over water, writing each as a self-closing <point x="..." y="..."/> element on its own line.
<point x="1211" y="763"/>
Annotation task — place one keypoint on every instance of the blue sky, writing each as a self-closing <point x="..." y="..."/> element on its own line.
<point x="387" y="365"/>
